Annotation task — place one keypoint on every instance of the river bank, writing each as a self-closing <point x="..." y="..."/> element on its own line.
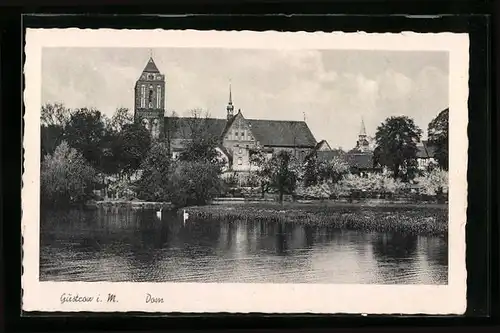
<point x="133" y="204"/>
<point x="415" y="219"/>
<point x="138" y="204"/>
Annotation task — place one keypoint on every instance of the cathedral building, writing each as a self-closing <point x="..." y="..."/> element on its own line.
<point x="237" y="137"/>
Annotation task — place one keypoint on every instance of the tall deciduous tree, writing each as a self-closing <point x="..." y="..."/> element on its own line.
<point x="54" y="114"/>
<point x="121" y="117"/>
<point x="437" y="133"/>
<point x="154" y="182"/>
<point x="194" y="183"/>
<point x="84" y="132"/>
<point x="131" y="147"/>
<point x="396" y="148"/>
<point x="333" y="170"/>
<point x="53" y="120"/>
<point x="66" y="177"/>
<point x="311" y="170"/>
<point x="171" y="126"/>
<point x="201" y="143"/>
<point x="280" y="174"/>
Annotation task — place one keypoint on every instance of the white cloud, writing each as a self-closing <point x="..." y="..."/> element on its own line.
<point x="266" y="84"/>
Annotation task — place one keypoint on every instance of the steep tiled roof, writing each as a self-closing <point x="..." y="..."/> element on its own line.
<point x="182" y="127"/>
<point x="282" y="133"/>
<point x="267" y="132"/>
<point x="151" y="67"/>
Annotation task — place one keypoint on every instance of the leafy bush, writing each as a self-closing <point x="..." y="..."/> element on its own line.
<point x="230" y="179"/>
<point x="194" y="183"/>
<point x="317" y="191"/>
<point x="154" y="182"/>
<point x="333" y="170"/>
<point x="376" y="182"/>
<point x="123" y="189"/>
<point x="315" y="171"/>
<point x="66" y="177"/>
<point x="431" y="183"/>
<point x="280" y="173"/>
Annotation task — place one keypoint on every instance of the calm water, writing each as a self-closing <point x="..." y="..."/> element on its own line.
<point x="123" y="245"/>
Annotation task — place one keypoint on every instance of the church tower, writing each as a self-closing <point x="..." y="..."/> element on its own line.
<point x="230" y="106"/>
<point x="362" y="143"/>
<point x="150" y="100"/>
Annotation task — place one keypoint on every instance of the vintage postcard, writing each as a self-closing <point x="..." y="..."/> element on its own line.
<point x="239" y="171"/>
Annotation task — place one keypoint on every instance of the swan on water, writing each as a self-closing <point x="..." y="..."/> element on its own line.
<point x="158" y="213"/>
<point x="185" y="215"/>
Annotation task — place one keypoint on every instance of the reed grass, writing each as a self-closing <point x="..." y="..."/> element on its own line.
<point x="414" y="220"/>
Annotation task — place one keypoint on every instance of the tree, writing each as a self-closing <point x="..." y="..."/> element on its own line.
<point x="171" y="126"/>
<point x="433" y="182"/>
<point x="332" y="170"/>
<point x="396" y="147"/>
<point x="109" y="161"/>
<point x="53" y="120"/>
<point x="260" y="176"/>
<point x="437" y="133"/>
<point x="121" y="117"/>
<point x="54" y="114"/>
<point x="131" y="147"/>
<point x="201" y="143"/>
<point x="66" y="177"/>
<point x="311" y="170"/>
<point x="316" y="171"/>
<point x="153" y="184"/>
<point x="85" y="131"/>
<point x="376" y="182"/>
<point x="277" y="173"/>
<point x="194" y="183"/>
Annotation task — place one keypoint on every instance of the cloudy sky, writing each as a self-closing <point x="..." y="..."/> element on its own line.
<point x="333" y="89"/>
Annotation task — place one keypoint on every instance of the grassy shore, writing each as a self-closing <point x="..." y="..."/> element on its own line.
<point x="134" y="204"/>
<point x="423" y="219"/>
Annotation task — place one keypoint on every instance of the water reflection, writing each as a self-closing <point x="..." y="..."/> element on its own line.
<point x="127" y="245"/>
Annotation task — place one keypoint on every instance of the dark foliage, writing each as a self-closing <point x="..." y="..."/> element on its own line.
<point x="438" y="137"/>
<point x="396" y="148"/>
<point x="85" y="132"/>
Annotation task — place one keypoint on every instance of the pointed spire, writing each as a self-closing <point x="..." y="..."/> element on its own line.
<point x="230" y="106"/>
<point x="363" y="129"/>
<point x="151" y="66"/>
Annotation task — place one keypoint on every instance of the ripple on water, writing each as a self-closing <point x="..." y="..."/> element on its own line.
<point x="247" y="252"/>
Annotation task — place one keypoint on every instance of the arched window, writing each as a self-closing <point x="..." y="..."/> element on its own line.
<point x="143" y="96"/>
<point x="150" y="97"/>
<point x="158" y="96"/>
